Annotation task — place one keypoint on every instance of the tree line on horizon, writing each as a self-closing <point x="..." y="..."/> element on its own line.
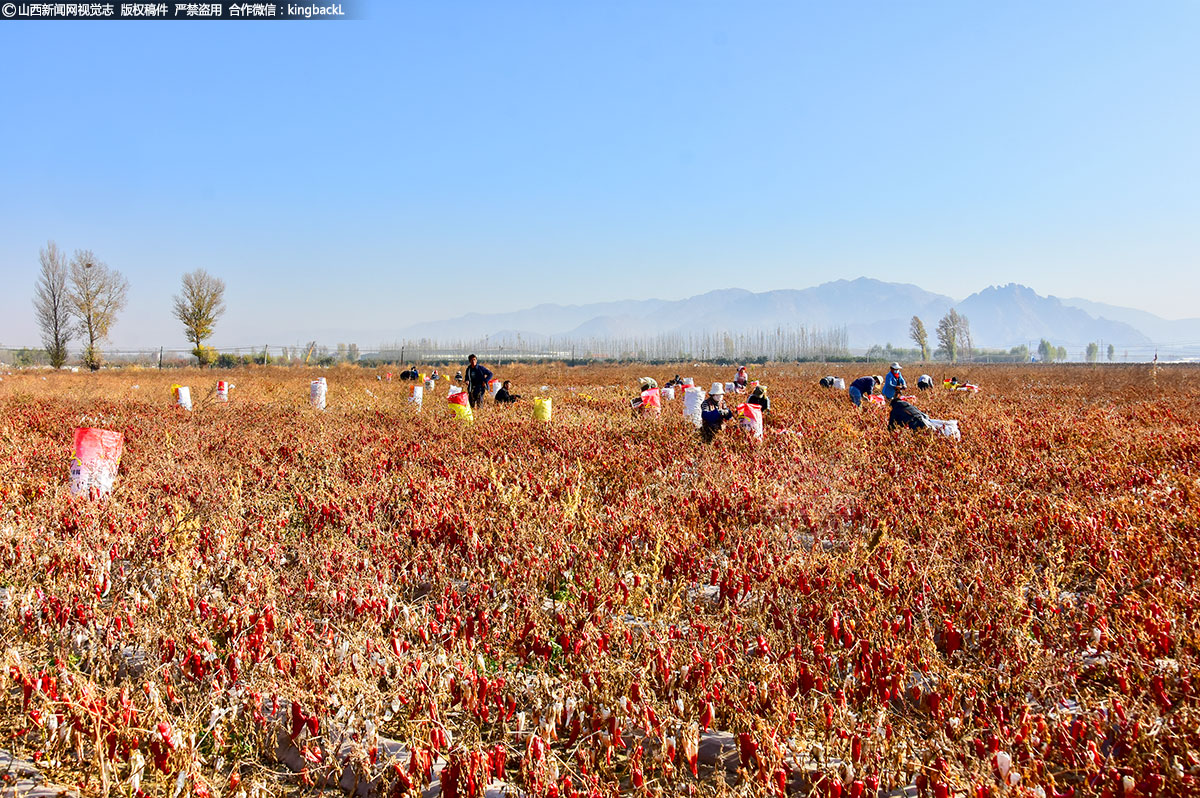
<point x="954" y="341"/>
<point x="80" y="298"/>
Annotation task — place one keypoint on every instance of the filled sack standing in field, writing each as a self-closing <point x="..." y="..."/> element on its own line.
<point x="222" y="391"/>
<point x="839" y="384"/>
<point x="430" y="385"/>
<point x="182" y="395"/>
<point x="460" y="404"/>
<point x="494" y="387"/>
<point x="97" y="457"/>
<point x="947" y="428"/>
<point x="651" y="402"/>
<point x="751" y="419"/>
<point x="667" y="394"/>
<point x="693" y="397"/>
<point x="730" y="387"/>
<point x="416" y="394"/>
<point x="316" y="393"/>
<point x="542" y="408"/>
<point x="688" y="382"/>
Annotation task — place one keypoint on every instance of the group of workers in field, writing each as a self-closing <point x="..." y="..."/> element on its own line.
<point x="714" y="410"/>
<point x="903" y="413"/>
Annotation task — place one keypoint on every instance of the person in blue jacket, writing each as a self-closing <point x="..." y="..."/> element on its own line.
<point x="893" y="382"/>
<point x="477" y="379"/>
<point x="863" y="386"/>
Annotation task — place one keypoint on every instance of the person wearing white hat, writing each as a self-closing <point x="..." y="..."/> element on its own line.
<point x="893" y="382"/>
<point x="713" y="412"/>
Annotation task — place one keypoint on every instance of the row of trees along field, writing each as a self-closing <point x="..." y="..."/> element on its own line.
<point x="954" y="342"/>
<point x="81" y="297"/>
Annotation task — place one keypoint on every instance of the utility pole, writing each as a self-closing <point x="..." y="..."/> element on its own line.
<point x="160" y="353"/>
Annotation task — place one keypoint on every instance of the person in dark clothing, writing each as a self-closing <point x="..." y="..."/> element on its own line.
<point x="505" y="394"/>
<point x="713" y="413"/>
<point x="477" y="377"/>
<point x="924" y="382"/>
<point x="827" y="382"/>
<point x="906" y="414"/>
<point x="759" y="397"/>
<point x="676" y="381"/>
<point x="863" y="386"/>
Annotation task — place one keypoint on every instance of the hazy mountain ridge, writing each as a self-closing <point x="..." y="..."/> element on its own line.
<point x="1166" y="331"/>
<point x="871" y="311"/>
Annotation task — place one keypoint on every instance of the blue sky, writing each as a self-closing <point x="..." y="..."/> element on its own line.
<point x="444" y="157"/>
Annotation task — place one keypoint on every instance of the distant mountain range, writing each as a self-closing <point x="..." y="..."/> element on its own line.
<point x="871" y="311"/>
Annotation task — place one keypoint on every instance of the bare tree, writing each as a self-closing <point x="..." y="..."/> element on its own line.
<point x="198" y="306"/>
<point x="97" y="294"/>
<point x="947" y="334"/>
<point x="963" y="335"/>
<point x="916" y="331"/>
<point x="50" y="302"/>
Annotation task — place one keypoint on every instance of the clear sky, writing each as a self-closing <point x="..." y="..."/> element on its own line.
<point x="444" y="156"/>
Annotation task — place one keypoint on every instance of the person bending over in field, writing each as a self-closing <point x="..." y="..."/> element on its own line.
<point x="713" y="413"/>
<point x="863" y="386"/>
<point x="759" y="397"/>
<point x="505" y="396"/>
<point x="906" y="414"/>
<point x="477" y="379"/>
<point x="924" y="382"/>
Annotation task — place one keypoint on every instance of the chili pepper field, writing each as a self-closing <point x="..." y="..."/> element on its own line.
<point x="377" y="599"/>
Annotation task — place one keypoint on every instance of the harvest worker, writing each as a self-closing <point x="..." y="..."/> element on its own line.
<point x="713" y="412"/>
<point x="477" y="379"/>
<point x="863" y="386"/>
<point x="924" y="382"/>
<point x="505" y="394"/>
<point x="759" y="397"/>
<point x="827" y="382"/>
<point x="893" y="382"/>
<point x="740" y="379"/>
<point x="906" y="414"/>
